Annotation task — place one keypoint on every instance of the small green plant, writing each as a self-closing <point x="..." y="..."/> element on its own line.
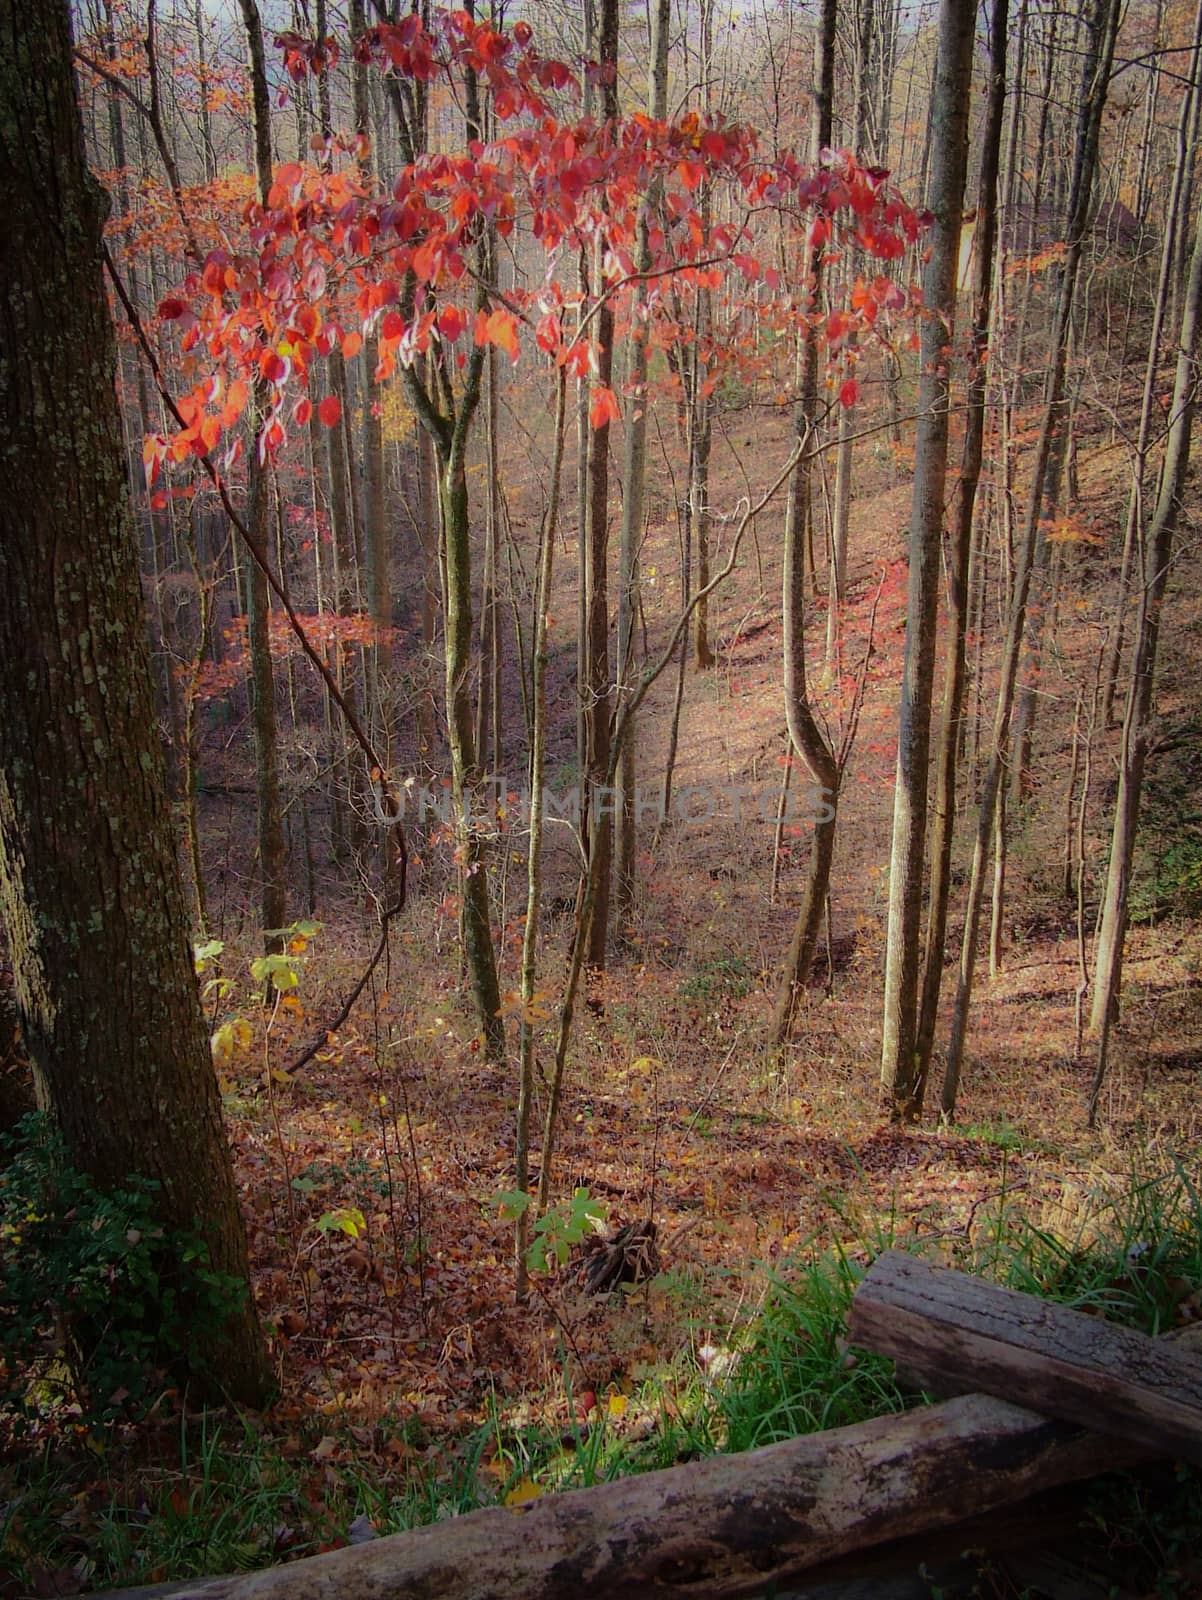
<point x="98" y="1301"/>
<point x="729" y="976"/>
<point x="559" y="1227"/>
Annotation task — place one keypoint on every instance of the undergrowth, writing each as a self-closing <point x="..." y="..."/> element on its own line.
<point x="207" y="1495"/>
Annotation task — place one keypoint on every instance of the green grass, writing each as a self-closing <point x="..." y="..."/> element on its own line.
<point x="215" y="1497"/>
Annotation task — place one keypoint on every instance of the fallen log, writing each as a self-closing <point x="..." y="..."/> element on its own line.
<point x="719" y="1528"/>
<point x="960" y="1332"/>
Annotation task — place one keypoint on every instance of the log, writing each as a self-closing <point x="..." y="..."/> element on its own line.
<point x="719" y="1528"/>
<point x="959" y="1331"/>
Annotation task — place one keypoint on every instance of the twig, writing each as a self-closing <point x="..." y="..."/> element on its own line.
<point x="303" y="1060"/>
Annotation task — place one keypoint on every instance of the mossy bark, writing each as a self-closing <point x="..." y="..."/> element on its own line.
<point x="90" y="893"/>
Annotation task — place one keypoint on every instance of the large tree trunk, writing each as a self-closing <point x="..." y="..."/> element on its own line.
<point x="949" y="120"/>
<point x="90" y="893"/>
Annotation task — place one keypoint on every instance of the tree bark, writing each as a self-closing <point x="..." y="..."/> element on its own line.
<point x="805" y="735"/>
<point x="90" y="892"/>
<point x="634" y="474"/>
<point x="272" y="855"/>
<point x="1107" y="21"/>
<point x="951" y="1328"/>
<point x="595" y="674"/>
<point x="951" y="732"/>
<point x="720" y="1528"/>
<point x="1137" y="723"/>
<point x="949" y="165"/>
<point x="534" y="878"/>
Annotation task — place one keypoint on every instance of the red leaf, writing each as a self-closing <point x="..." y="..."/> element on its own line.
<point x="547" y="333"/>
<point x="502" y="330"/>
<point x="171" y="308"/>
<point x="849" y="393"/>
<point x="352" y="345"/>
<point x="330" y="410"/>
<point x="604" y="408"/>
<point x="302" y="411"/>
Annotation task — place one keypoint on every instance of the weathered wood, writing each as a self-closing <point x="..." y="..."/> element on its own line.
<point x="723" y="1527"/>
<point x="960" y="1331"/>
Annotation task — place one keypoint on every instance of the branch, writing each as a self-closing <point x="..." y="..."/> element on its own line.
<point x="386" y="916"/>
<point x="260" y="559"/>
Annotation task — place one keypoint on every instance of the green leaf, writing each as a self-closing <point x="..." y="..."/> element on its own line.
<point x="278" y="969"/>
<point x="202" y="954"/>
<point x="512" y="1203"/>
<point x="346" y="1219"/>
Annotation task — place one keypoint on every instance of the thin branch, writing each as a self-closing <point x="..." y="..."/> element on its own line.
<point x="260" y="559"/>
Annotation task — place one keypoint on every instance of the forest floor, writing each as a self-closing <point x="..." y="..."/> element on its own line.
<point x="369" y="1177"/>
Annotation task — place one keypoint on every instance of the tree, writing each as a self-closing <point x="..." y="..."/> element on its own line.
<point x="1138" y="720"/>
<point x="805" y="735"/>
<point x="1096" y="76"/>
<point x="949" y="114"/>
<point x="634" y="469"/>
<point x="272" y="855"/>
<point x="955" y="668"/>
<point x="90" y="893"/>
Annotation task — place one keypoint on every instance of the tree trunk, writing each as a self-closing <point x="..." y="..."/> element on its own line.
<point x="375" y="513"/>
<point x="1137" y="724"/>
<point x="804" y="733"/>
<point x="634" y="475"/>
<point x="949" y="164"/>
<point x="477" y="927"/>
<point x="1176" y="224"/>
<point x="90" y="892"/>
<point x="951" y="732"/>
<point x="595" y="674"/>
<point x="1107" y="23"/>
<point x="272" y="855"/>
<point x="1095" y="84"/>
<point x="534" y="880"/>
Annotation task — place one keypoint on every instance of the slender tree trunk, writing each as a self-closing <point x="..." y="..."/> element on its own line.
<point x="1176" y="224"/>
<point x="272" y="854"/>
<point x="634" y="478"/>
<point x="1137" y="724"/>
<point x="479" y="951"/>
<point x="1107" y="22"/>
<point x="376" y="541"/>
<point x="804" y="733"/>
<point x="951" y="732"/>
<point x="488" y="701"/>
<point x="949" y="165"/>
<point x="596" y="677"/>
<point x="90" y="893"/>
<point x="1102" y="27"/>
<point x="538" y="762"/>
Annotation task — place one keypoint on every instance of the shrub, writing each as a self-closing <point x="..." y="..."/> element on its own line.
<point x="97" y="1299"/>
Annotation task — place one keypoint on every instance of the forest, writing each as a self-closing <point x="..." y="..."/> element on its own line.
<point x="599" y="648"/>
